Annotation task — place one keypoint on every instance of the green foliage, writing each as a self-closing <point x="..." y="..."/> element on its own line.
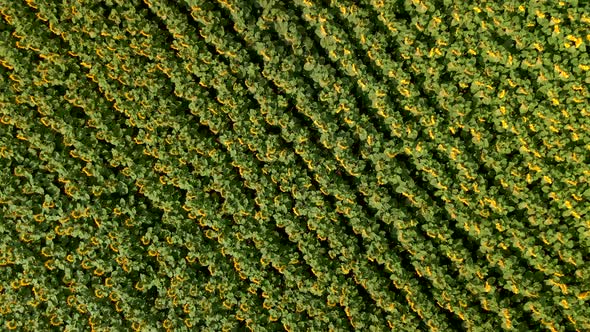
<point x="312" y="165"/>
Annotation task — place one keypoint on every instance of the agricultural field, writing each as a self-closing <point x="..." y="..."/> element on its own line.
<point x="302" y="165"/>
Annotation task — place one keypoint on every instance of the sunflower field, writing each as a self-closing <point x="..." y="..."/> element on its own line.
<point x="301" y="165"/>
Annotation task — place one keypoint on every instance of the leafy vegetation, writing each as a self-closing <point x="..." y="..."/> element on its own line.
<point x="305" y="165"/>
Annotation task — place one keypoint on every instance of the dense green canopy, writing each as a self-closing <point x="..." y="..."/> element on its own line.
<point x="300" y="165"/>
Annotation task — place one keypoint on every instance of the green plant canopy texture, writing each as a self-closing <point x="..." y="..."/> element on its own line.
<point x="303" y="165"/>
